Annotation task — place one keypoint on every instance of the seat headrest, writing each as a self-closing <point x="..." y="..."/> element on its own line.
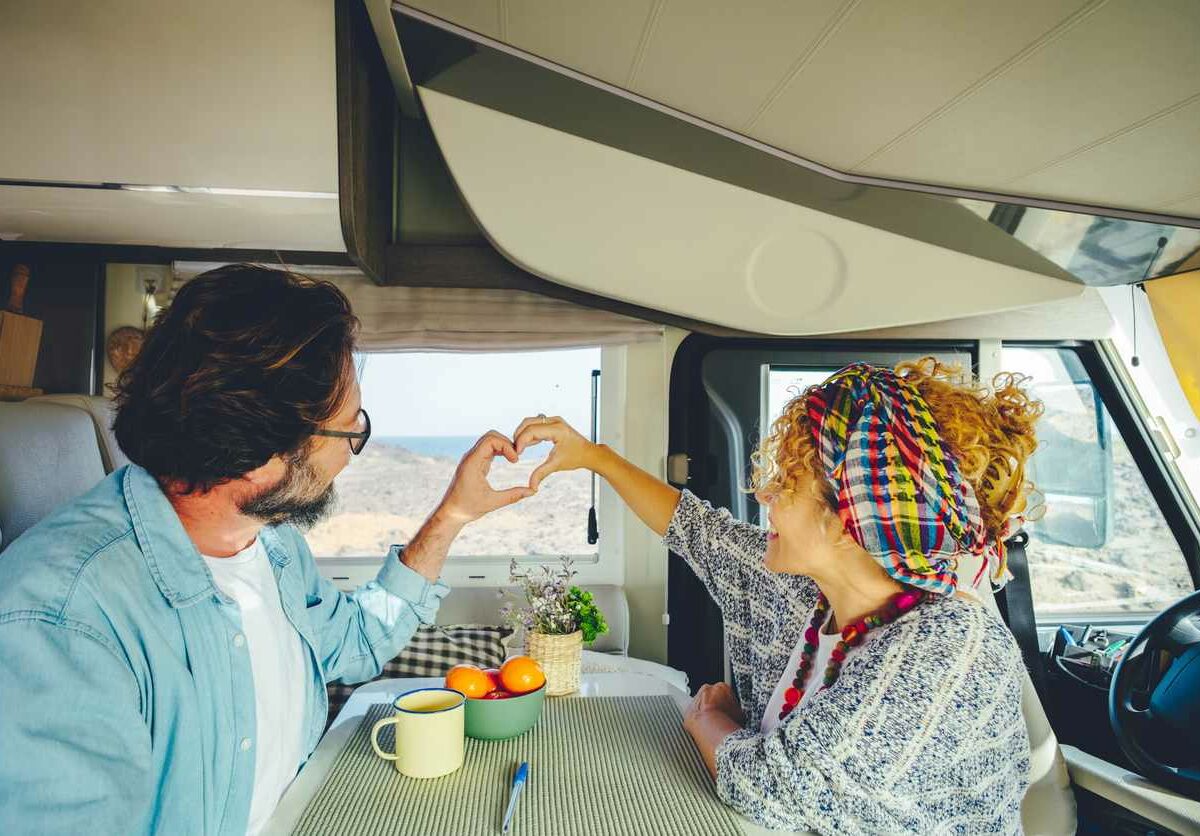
<point x="48" y="456"/>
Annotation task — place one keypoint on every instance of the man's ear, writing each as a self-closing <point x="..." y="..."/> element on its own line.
<point x="267" y="474"/>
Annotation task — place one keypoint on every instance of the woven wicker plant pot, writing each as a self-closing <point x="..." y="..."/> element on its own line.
<point x="559" y="657"/>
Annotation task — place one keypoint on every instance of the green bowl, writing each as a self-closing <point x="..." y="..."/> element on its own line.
<point x="502" y="719"/>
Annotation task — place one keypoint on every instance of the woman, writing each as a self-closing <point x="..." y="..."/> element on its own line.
<point x="874" y="699"/>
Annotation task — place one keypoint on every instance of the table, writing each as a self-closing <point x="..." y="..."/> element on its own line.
<point x="291" y="806"/>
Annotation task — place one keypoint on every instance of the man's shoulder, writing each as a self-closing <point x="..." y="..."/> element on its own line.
<point x="48" y="567"/>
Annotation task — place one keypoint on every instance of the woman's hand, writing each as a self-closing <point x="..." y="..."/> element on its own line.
<point x="571" y="450"/>
<point x="713" y="715"/>
<point x="652" y="499"/>
<point x="715" y="697"/>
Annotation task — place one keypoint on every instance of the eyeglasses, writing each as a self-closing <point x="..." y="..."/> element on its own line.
<point x="357" y="440"/>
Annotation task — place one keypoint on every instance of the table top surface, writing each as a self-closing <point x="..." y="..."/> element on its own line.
<point x="292" y="805"/>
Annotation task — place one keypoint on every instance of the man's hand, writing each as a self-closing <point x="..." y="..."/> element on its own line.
<point x="571" y="450"/>
<point x="716" y="697"/>
<point x="467" y="499"/>
<point x="470" y="496"/>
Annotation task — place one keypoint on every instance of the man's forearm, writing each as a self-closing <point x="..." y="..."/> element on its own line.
<point x="427" y="550"/>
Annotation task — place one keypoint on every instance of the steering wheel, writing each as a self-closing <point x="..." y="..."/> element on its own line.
<point x="1154" y="698"/>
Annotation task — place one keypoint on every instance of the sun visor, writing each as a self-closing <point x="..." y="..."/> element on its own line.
<point x="598" y="194"/>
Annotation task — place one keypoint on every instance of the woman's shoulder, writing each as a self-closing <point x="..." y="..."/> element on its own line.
<point x="956" y="626"/>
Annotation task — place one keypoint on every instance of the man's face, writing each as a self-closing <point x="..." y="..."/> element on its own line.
<point x="304" y="495"/>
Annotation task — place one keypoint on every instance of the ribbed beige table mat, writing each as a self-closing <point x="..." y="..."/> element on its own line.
<point x="605" y="765"/>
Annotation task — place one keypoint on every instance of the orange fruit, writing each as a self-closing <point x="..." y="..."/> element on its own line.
<point x="520" y="675"/>
<point x="472" y="682"/>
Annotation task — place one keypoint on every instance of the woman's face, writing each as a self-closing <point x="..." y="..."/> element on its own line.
<point x="801" y="528"/>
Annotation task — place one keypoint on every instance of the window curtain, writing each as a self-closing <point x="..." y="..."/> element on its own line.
<point x="454" y="319"/>
<point x="1175" y="301"/>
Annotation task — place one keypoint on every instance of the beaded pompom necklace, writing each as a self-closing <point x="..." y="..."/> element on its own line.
<point x="852" y="636"/>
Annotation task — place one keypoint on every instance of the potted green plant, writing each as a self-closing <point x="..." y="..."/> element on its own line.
<point x="558" y="619"/>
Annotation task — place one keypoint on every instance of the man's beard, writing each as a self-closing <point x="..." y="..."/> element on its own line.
<point x="291" y="500"/>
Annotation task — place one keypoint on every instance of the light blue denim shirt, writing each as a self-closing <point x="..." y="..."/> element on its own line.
<point x="126" y="694"/>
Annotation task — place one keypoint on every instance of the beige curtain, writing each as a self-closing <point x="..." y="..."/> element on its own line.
<point x="452" y="319"/>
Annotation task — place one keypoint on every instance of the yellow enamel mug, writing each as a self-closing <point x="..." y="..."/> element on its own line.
<point x="429" y="733"/>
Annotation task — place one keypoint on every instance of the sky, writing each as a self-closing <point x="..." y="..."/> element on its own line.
<point x="448" y="394"/>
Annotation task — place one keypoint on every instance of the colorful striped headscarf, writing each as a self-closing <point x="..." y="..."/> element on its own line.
<point x="899" y="489"/>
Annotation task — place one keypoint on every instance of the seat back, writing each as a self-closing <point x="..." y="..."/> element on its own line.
<point x="48" y="456"/>
<point x="102" y="412"/>
<point x="481" y="605"/>
<point x="1049" y="805"/>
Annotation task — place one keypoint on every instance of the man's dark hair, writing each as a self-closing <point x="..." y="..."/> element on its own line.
<point x="243" y="365"/>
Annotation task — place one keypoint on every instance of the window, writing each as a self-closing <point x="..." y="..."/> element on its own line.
<point x="784" y="383"/>
<point x="426" y="411"/>
<point x="1103" y="546"/>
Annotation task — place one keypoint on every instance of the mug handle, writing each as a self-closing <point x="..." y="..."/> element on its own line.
<point x="387" y="756"/>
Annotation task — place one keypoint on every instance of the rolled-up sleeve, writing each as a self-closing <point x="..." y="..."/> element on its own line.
<point x="360" y="631"/>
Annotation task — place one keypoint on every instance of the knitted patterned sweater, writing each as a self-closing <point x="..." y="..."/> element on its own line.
<point x="921" y="733"/>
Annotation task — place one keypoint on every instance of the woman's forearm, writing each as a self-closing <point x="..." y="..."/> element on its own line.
<point x="708" y="729"/>
<point x="652" y="499"/>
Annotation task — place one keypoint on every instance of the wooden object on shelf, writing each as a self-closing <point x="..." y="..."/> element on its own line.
<point x="18" y="284"/>
<point x="17" y="393"/>
<point x="20" y="337"/>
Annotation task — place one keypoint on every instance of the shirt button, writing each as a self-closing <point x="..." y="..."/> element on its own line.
<point x="239" y="640"/>
<point x="245" y="744"/>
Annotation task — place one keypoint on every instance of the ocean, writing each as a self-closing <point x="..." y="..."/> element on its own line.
<point x="438" y="446"/>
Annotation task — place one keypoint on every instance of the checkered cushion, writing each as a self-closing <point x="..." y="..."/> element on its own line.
<point x="433" y="651"/>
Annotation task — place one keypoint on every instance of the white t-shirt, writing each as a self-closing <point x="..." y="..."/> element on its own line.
<point x="277" y="662"/>
<point x="826" y="642"/>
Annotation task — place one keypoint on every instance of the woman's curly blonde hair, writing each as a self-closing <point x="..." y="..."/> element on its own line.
<point x="990" y="433"/>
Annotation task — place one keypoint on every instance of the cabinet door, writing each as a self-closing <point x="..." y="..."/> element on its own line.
<point x="67" y="295"/>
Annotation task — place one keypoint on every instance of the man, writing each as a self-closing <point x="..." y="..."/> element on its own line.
<point x="165" y="639"/>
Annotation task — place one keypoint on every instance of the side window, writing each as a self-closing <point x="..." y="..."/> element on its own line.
<point x="1102" y="547"/>
<point x="427" y="410"/>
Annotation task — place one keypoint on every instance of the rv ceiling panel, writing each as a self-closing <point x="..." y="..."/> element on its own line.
<point x="1047" y="108"/>
<point x="1030" y="97"/>
<point x="886" y="65"/>
<point x="114" y="216"/>
<point x="601" y="219"/>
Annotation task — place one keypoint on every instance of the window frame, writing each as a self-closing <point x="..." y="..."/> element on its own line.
<point x="605" y="566"/>
<point x="1166" y="484"/>
<point x="695" y="641"/>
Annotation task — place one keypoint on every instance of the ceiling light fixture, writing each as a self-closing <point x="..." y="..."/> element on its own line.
<point x="220" y="191"/>
<point x="230" y="192"/>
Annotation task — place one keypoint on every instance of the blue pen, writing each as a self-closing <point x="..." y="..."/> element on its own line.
<point x="518" y="784"/>
<point x="1068" y="639"/>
